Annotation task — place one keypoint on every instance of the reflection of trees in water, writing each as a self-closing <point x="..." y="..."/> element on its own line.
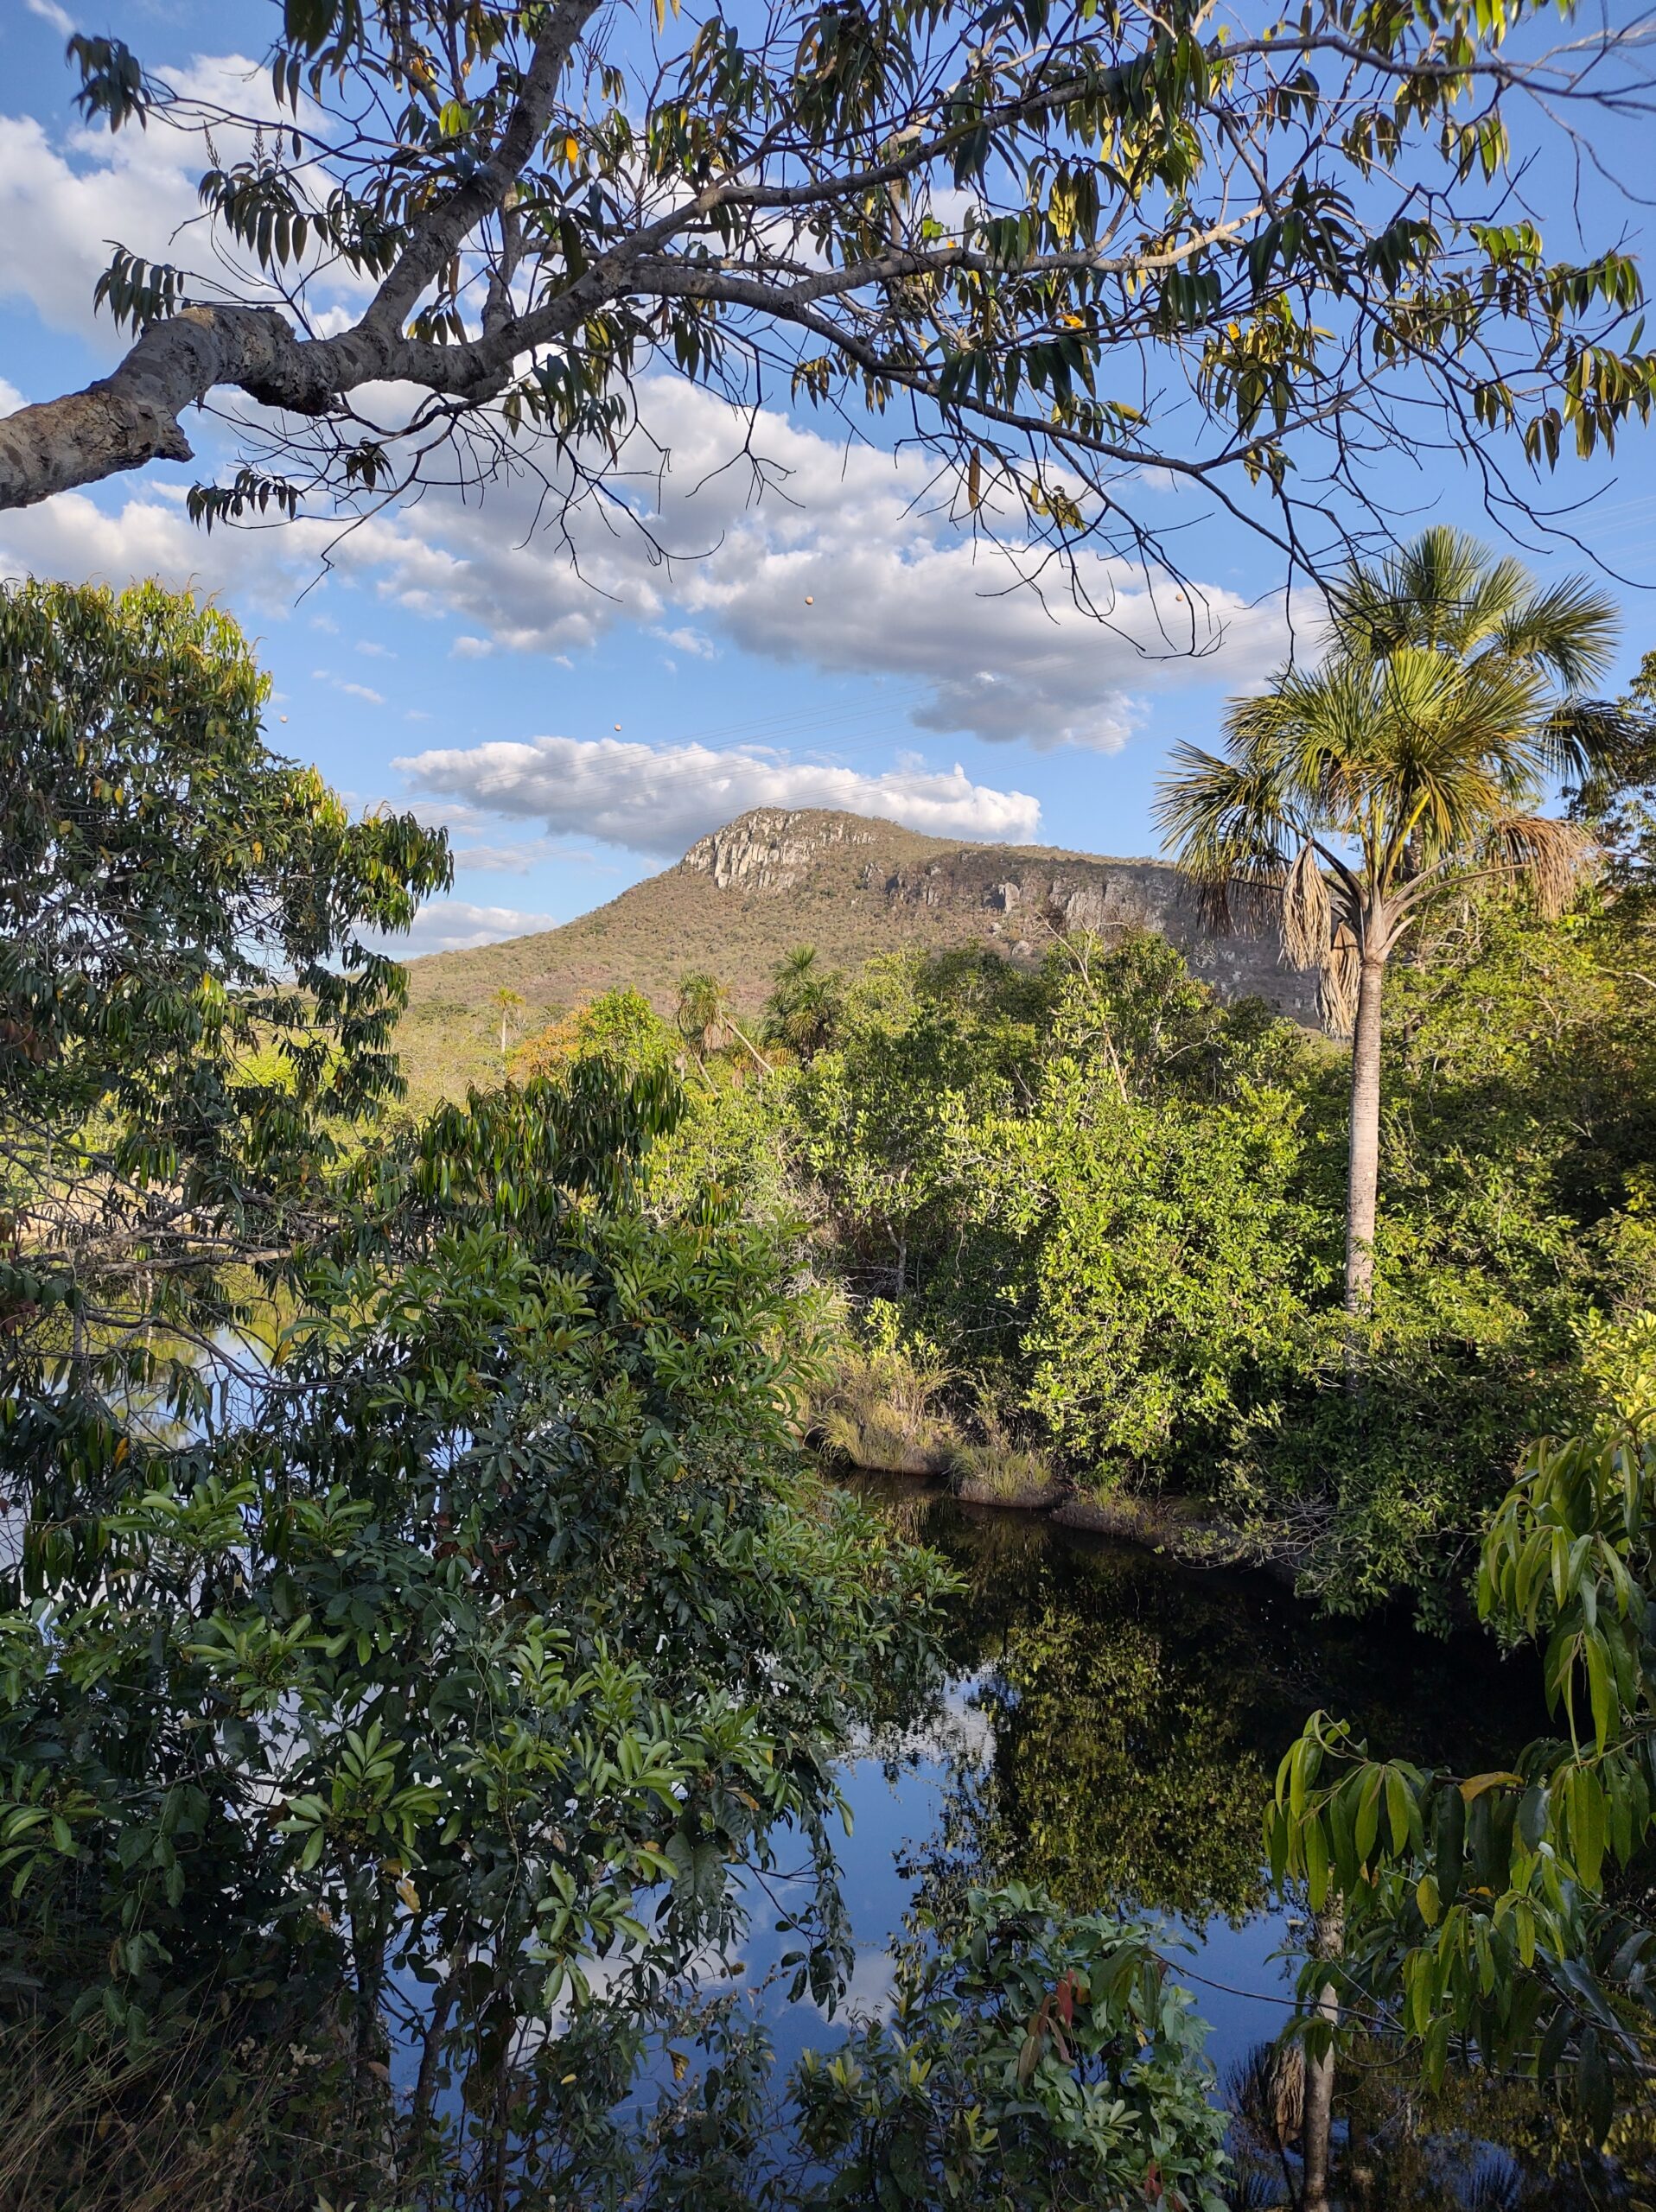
<point x="1478" y="2144"/>
<point x="1117" y="1774"/>
<point x="1139" y="1710"/>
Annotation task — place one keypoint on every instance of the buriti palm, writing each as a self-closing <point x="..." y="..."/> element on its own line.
<point x="1408" y="765"/>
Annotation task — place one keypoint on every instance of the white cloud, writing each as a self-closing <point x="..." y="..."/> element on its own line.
<point x="661" y="799"/>
<point x="501" y="860"/>
<point x="520" y="856"/>
<point x="871" y="1992"/>
<point x="63" y="200"/>
<point x="687" y="640"/>
<point x="262" y="572"/>
<point x="49" y="12"/>
<point x="840" y="566"/>
<point x="889" y="596"/>
<point x="351" y="691"/>
<point x="456" y="926"/>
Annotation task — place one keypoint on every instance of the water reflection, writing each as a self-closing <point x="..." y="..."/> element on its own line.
<point x="1111" y="1732"/>
<point x="1136" y="1711"/>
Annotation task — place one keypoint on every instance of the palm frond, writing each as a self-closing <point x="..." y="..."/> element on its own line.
<point x="1338" y="983"/>
<point x="1441" y="751"/>
<point x="1584" y="738"/>
<point x="1553" y="857"/>
<point x="1489" y="600"/>
<point x="1306" y="910"/>
<point x="1449" y="587"/>
<point x="1418" y="750"/>
<point x="1441" y="592"/>
<point x="1223" y="817"/>
<point x="1569" y="629"/>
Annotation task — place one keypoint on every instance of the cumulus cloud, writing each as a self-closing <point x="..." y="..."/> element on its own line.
<point x="840" y="565"/>
<point x="454" y="926"/>
<point x="64" y="198"/>
<point x="661" y="798"/>
<point x="260" y="572"/>
<point x="845" y="575"/>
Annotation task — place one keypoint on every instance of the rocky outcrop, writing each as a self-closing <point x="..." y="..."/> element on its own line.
<point x="1014" y="897"/>
<point x="771" y="849"/>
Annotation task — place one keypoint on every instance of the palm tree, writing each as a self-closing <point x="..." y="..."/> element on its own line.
<point x="703" y="1014"/>
<point x="1410" y="764"/>
<point x="508" y="1001"/>
<point x="804" y="1003"/>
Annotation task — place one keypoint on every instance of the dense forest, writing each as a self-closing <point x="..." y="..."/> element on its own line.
<point x="432" y="1601"/>
<point x="467" y="1576"/>
<point x="1085" y="1225"/>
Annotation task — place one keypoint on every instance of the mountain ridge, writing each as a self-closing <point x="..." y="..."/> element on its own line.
<point x="851" y="885"/>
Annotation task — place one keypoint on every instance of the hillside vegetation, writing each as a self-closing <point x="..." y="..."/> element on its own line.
<point x="850" y="886"/>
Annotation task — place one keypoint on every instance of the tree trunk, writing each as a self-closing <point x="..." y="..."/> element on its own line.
<point x="1327" y="1939"/>
<point x="1363" y="1171"/>
<point x="743" y="1037"/>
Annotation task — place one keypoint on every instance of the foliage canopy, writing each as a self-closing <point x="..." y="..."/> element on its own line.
<point x="1072" y="245"/>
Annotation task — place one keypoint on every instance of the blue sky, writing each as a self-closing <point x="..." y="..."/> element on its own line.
<point x="578" y="726"/>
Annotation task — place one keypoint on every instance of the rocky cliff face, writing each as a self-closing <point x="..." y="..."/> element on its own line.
<point x="1011" y="896"/>
<point x="771" y="849"/>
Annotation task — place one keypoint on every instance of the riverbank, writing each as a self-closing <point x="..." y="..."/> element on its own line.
<point x="1174" y="1528"/>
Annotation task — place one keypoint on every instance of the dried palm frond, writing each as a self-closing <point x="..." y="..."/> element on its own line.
<point x="1267" y="2090"/>
<point x="1337" y="984"/>
<point x="1553" y="857"/>
<point x="1308" y="913"/>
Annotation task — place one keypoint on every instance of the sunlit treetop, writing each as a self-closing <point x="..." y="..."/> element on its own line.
<point x="1060" y="246"/>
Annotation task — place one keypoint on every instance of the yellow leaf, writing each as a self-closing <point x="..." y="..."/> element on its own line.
<point x="1476" y="1784"/>
<point x="571" y="150"/>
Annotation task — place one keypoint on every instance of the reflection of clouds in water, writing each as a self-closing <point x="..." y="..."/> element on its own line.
<point x="707" y="1970"/>
<point x="955" y="1732"/>
<point x="871" y="1992"/>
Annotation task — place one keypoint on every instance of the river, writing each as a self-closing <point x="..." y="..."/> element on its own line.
<point x="1110" y="1731"/>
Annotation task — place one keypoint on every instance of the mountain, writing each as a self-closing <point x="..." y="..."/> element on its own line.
<point x="744" y="895"/>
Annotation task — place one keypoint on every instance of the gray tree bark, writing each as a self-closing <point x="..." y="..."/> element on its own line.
<point x="1317" y="2127"/>
<point x="1363" y="1168"/>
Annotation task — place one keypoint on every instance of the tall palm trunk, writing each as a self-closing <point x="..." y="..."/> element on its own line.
<point x="1363" y="1170"/>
